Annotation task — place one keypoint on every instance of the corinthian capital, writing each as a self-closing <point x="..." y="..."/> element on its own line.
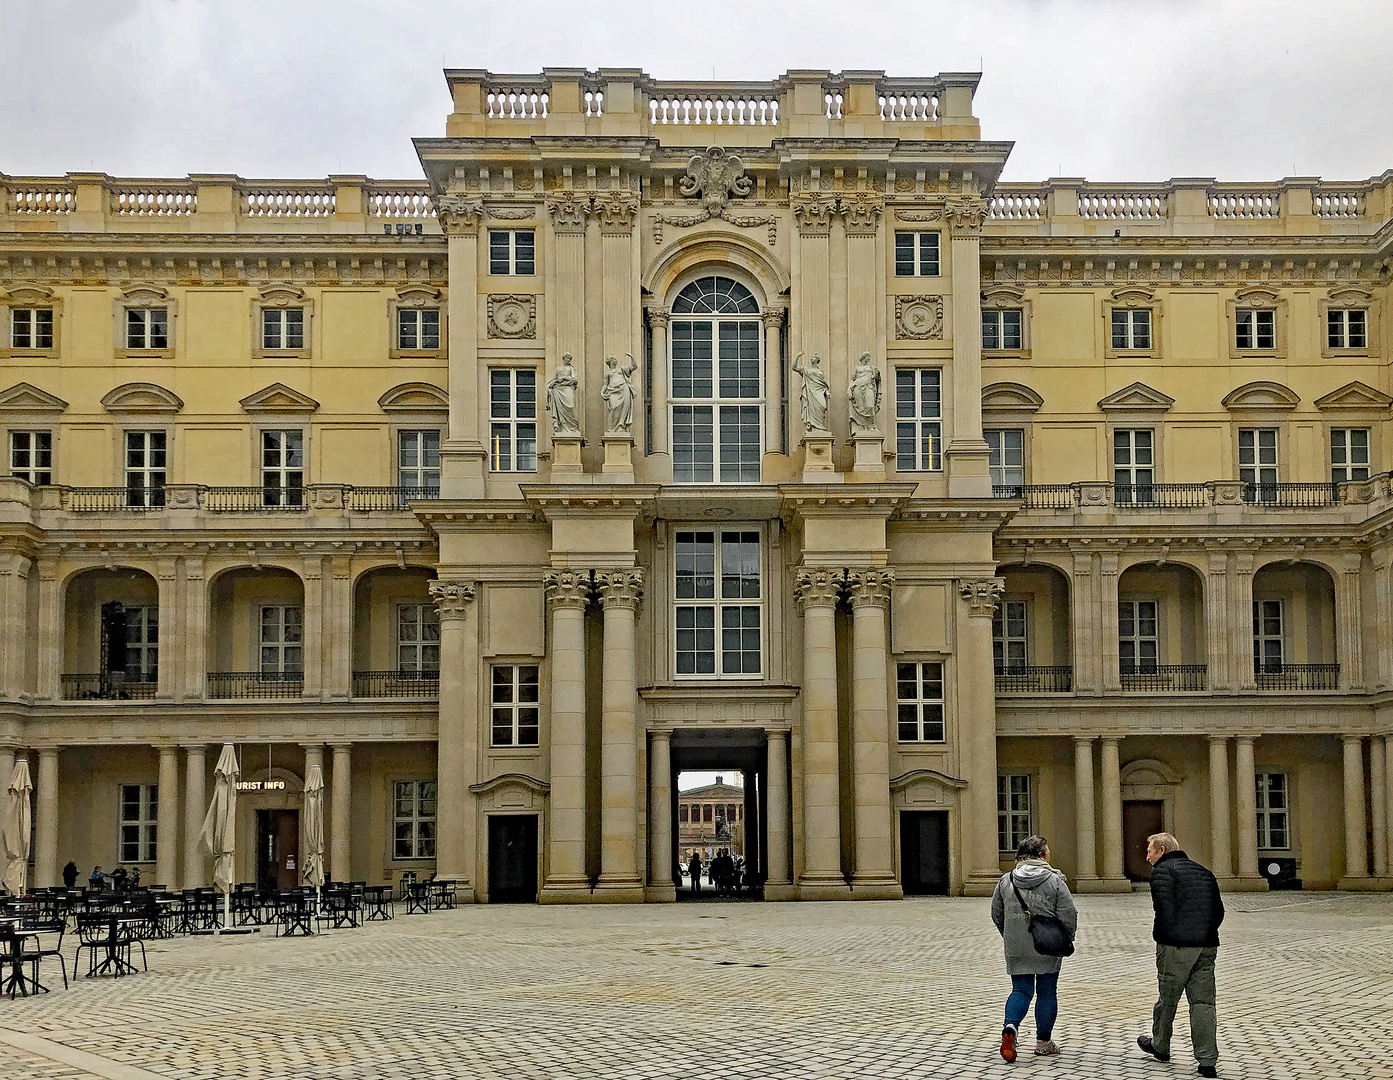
<point x="567" y="588"/>
<point x="616" y="211"/>
<point x="451" y="598"/>
<point x="814" y="213"/>
<point x="620" y="588"/>
<point x="862" y="213"/>
<point x="982" y="596"/>
<point x="459" y="214"/>
<point x="870" y="587"/>
<point x="966" y="214"/>
<point x="569" y="211"/>
<point x="817" y="587"/>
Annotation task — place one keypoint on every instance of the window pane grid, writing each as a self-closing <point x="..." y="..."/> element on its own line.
<point x="918" y="420"/>
<point x="31" y="328"/>
<point x="916" y="254"/>
<point x="31" y="456"/>
<point x="418" y="329"/>
<point x="1007" y="462"/>
<point x="1131" y="328"/>
<point x="147" y="328"/>
<point x="512" y="420"/>
<point x="413" y="819"/>
<point x="282" y="328"/>
<point x="418" y="638"/>
<point x="1009" y="633"/>
<point x="919" y="702"/>
<point x="142" y="644"/>
<point x="717" y="365"/>
<point x="138" y="830"/>
<point x="1013" y="811"/>
<point x="1138" y="640"/>
<point x="145" y="468"/>
<point x="516" y="712"/>
<point x="1349" y="454"/>
<point x="282" y="640"/>
<point x="1267" y="637"/>
<point x="418" y="460"/>
<point x="282" y="468"/>
<point x="1257" y="462"/>
<point x="1001" y="329"/>
<point x="1255" y="328"/>
<point x="512" y="252"/>
<point x="701" y="562"/>
<point x="1273" y="810"/>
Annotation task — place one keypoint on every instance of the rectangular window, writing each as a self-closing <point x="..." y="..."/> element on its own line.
<point x="418" y="461"/>
<point x="413" y="819"/>
<point x="1257" y="463"/>
<point x="418" y="329"/>
<point x="1133" y="465"/>
<point x="145" y="468"/>
<point x="516" y="694"/>
<point x="142" y="644"/>
<point x="418" y="638"/>
<point x="918" y="420"/>
<point x="31" y="456"/>
<point x="1007" y="462"/>
<point x="719" y="438"/>
<point x="916" y="254"/>
<point x="512" y="251"/>
<point x="1255" y="328"/>
<point x="1349" y="454"/>
<point x="147" y="328"/>
<point x="513" y="419"/>
<point x="1131" y="328"/>
<point x="139" y="827"/>
<point x="919" y="694"/>
<point x="684" y="813"/>
<point x="1267" y="637"/>
<point x="31" y="328"/>
<point x="708" y="813"/>
<point x="283" y="468"/>
<point x="1138" y="641"/>
<point x="282" y="328"/>
<point x="1347" y="328"/>
<point x="718" y="588"/>
<point x="1012" y="811"/>
<point x="1009" y="649"/>
<point x="1274" y="809"/>
<point x="282" y="641"/>
<point x="1001" y="329"/>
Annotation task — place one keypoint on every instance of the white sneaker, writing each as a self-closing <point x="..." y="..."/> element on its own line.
<point x="1046" y="1046"/>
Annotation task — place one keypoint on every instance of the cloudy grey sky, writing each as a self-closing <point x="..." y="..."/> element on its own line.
<point x="1121" y="90"/>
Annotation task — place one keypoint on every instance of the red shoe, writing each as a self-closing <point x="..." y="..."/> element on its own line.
<point x="1008" y="1044"/>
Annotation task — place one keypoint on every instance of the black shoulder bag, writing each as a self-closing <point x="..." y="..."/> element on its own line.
<point x="1047" y="933"/>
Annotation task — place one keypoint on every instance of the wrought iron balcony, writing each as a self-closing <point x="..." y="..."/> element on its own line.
<point x="1292" y="495"/>
<point x="1164" y="677"/>
<point x="1050" y="679"/>
<point x="1269" y="676"/>
<point x="255" y="684"/>
<point x="385" y="498"/>
<point x="109" y="686"/>
<point x="1038" y="496"/>
<point x="392" y="684"/>
<point x="1159" y="496"/>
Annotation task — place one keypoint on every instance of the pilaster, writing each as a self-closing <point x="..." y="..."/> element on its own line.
<point x="463" y="457"/>
<point x="195" y="636"/>
<point x="50" y="636"/>
<point x="1106" y="567"/>
<point x="773" y="317"/>
<point x="1241" y="621"/>
<point x="171" y="616"/>
<point x="616" y="211"/>
<point x="569" y="213"/>
<point x="1378" y="808"/>
<point x="316" y="656"/>
<point x="457" y="751"/>
<point x="341" y="818"/>
<point x="658" y="431"/>
<point x="338" y="628"/>
<point x="967" y="454"/>
<point x="46" y="820"/>
<point x="14" y="624"/>
<point x="1349" y="618"/>
<point x="1218" y="633"/>
<point x="1084" y="625"/>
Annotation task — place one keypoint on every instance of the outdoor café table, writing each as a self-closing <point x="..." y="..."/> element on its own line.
<point x="418" y="898"/>
<point x="294" y="910"/>
<point x="11" y="949"/>
<point x="379" y="902"/>
<point x="442" y="894"/>
<point x="120" y="934"/>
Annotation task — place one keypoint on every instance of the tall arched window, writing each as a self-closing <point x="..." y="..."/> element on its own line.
<point x="717" y="385"/>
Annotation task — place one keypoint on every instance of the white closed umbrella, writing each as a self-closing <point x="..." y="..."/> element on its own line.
<point x="16" y="828"/>
<point x="220" y="826"/>
<point x="314" y="827"/>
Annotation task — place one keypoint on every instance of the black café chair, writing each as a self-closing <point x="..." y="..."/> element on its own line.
<point x="294" y="913"/>
<point x="53" y="930"/>
<point x="418" y="898"/>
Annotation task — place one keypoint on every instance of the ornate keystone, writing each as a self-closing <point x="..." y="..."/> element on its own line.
<point x="982" y="596"/>
<point x="459" y="214"/>
<point x="621" y="588"/>
<point x="451" y="597"/>
<point x="715" y="175"/>
<point x="870" y="587"/>
<point x="818" y="588"/>
<point x="567" y="588"/>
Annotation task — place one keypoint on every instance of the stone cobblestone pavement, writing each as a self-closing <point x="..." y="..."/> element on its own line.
<point x="886" y="991"/>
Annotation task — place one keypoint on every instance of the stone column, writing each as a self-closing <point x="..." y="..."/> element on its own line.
<point x="170" y="614"/>
<point x="1218" y="636"/>
<point x="660" y="884"/>
<point x="1246" y="801"/>
<point x="658" y="319"/>
<point x="167" y="819"/>
<point x="874" y="874"/>
<point x="1388" y="798"/>
<point x="338" y="628"/>
<point x="1112" y="811"/>
<point x="195" y="642"/>
<point x="195" y="809"/>
<point x="977" y="733"/>
<point x="341" y="797"/>
<point x="315" y="654"/>
<point x="1349" y="629"/>
<point x="568" y="593"/>
<point x="50" y="632"/>
<point x="1085" y="811"/>
<point x="1356" y="836"/>
<point x="967" y="454"/>
<point x="14" y="624"/>
<point x="1383" y="614"/>
<point x="7" y="769"/>
<point x="1378" y="816"/>
<point x="1107" y="621"/>
<point x="1241" y="621"/>
<point x="817" y="592"/>
<point x="620" y="592"/>
<point x="457" y="738"/>
<point x="778" y="886"/>
<point x="1220" y="841"/>
<point x="773" y="317"/>
<point x="463" y="456"/>
<point x="1085" y="625"/>
<point x="46" y="820"/>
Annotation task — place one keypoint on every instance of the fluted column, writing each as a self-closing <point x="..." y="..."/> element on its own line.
<point x="195" y="807"/>
<point x="463" y="455"/>
<point x="817" y="592"/>
<point x="778" y="886"/>
<point x="1388" y="798"/>
<point x="1349" y="620"/>
<point x="1218" y="636"/>
<point x="773" y="318"/>
<point x="658" y="319"/>
<point x="1107" y="621"/>
<point x="568" y="593"/>
<point x="1378" y="808"/>
<point x="46" y="820"/>
<point x="1085" y="625"/>
<point x="1220" y="839"/>
<point x="341" y="800"/>
<point x="660" y="856"/>
<point x="977" y="730"/>
<point x="873" y="873"/>
<point x="1383" y="616"/>
<point x="457" y="740"/>
<point x="14" y="624"/>
<point x="967" y="454"/>
<point x="1246" y="802"/>
<point x="1085" y="813"/>
<point x="620" y="592"/>
<point x="1241" y="620"/>
<point x="50" y="631"/>
<point x="1112" y="810"/>
<point x="315" y="654"/>
<point x="169" y="614"/>
<point x="167" y="818"/>
<point x="338" y="628"/>
<point x="1356" y="843"/>
<point x="195" y="641"/>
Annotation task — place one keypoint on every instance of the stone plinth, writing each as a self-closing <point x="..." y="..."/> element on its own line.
<point x="869" y="462"/>
<point x="817" y="459"/>
<point x="565" y="456"/>
<point x="619" y="458"/>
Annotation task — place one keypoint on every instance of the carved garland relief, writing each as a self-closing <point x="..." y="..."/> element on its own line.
<point x="512" y="315"/>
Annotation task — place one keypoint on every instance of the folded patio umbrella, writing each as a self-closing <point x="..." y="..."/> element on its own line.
<point x="314" y="827"/>
<point x="16" y="828"/>
<point x="220" y="825"/>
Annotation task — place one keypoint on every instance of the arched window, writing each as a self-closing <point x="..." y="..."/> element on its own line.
<point x="717" y="385"/>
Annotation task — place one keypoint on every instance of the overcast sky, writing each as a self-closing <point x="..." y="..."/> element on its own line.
<point x="1121" y="90"/>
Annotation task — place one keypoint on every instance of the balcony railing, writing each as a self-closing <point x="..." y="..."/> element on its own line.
<point x="1159" y="496"/>
<point x="87" y="500"/>
<point x="1292" y="495"/>
<point x="1099" y="494"/>
<point x="236" y="500"/>
<point x="109" y="686"/>
<point x="1038" y="496"/>
<point x="385" y="498"/>
<point x="255" y="684"/>
<point x="254" y="499"/>
<point x="1164" y="676"/>
<point x="1297" y="676"/>
<point x="1050" y="679"/>
<point x="391" y="684"/>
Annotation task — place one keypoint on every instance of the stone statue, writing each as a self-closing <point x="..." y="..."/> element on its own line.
<point x="618" y="394"/>
<point x="561" y="399"/>
<point x="863" y="395"/>
<point x="815" y="392"/>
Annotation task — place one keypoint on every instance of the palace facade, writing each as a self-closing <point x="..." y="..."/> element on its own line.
<point x="1095" y="540"/>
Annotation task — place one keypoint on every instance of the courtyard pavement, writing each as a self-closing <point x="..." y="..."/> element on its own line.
<point x="713" y="989"/>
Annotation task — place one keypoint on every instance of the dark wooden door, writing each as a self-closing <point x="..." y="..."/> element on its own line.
<point x="277" y="849"/>
<point x="512" y="858"/>
<point x="1140" y="819"/>
<point x="924" y="852"/>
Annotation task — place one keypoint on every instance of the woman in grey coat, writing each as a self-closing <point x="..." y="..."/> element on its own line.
<point x="1044" y="892"/>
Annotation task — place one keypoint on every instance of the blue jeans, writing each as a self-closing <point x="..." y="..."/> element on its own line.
<point x="1046" y="988"/>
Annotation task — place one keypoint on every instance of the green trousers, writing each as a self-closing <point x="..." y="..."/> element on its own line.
<point x="1191" y="972"/>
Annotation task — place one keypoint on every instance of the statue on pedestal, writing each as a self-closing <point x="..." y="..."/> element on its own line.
<point x="863" y="396"/>
<point x="815" y="392"/>
<point x="618" y="394"/>
<point x="561" y="399"/>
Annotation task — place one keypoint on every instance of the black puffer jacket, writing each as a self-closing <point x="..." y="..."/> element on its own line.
<point x="1187" y="902"/>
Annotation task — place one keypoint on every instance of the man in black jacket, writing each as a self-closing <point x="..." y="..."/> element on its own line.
<point x="1188" y="913"/>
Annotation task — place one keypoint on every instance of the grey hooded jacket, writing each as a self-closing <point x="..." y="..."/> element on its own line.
<point x="1045" y="893"/>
